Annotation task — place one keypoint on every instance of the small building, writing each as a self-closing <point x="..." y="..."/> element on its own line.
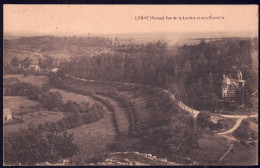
<point x="55" y="70"/>
<point x="233" y="89"/>
<point x="21" y="67"/>
<point x="7" y="116"/>
<point x="34" y="67"/>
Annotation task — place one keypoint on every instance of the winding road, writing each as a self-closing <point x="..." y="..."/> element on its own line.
<point x="237" y="124"/>
<point x="193" y="112"/>
<point x="239" y="118"/>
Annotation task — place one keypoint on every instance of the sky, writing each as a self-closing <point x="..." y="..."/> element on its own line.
<point x="103" y="19"/>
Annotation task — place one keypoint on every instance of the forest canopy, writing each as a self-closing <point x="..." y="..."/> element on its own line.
<point x="194" y="73"/>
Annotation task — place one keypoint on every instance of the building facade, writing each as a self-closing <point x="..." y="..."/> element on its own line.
<point x="7" y="115"/>
<point x="233" y="89"/>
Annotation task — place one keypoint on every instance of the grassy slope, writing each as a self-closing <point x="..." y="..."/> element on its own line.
<point x="34" y="80"/>
<point x="211" y="148"/>
<point x="66" y="95"/>
<point x="19" y="104"/>
<point x="120" y="114"/>
<point x="142" y="111"/>
<point x="36" y="118"/>
<point x="241" y="155"/>
<point x="91" y="138"/>
<point x="94" y="137"/>
<point x="25" y="109"/>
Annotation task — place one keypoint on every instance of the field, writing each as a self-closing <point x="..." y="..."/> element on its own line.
<point x="10" y="53"/>
<point x="56" y="47"/>
<point x="66" y="96"/>
<point x="242" y="155"/>
<point x="120" y="115"/>
<point x="34" y="118"/>
<point x="211" y="148"/>
<point x="34" y="80"/>
<point x="10" y="81"/>
<point x="143" y="112"/>
<point x="19" y="104"/>
<point x="95" y="137"/>
<point x="28" y="111"/>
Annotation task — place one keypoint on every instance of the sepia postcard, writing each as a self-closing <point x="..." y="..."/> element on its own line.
<point x="130" y="85"/>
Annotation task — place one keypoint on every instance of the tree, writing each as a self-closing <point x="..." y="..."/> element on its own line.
<point x="28" y="148"/>
<point x="26" y="62"/>
<point x="51" y="101"/>
<point x="47" y="62"/>
<point x="203" y="119"/>
<point x="72" y="107"/>
<point x="15" y="61"/>
<point x="84" y="107"/>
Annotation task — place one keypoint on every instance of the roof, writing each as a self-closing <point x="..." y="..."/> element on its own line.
<point x="7" y="111"/>
<point x="55" y="70"/>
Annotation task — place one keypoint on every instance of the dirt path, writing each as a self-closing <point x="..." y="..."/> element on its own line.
<point x="187" y="108"/>
<point x="238" y="122"/>
<point x="240" y="116"/>
<point x="225" y="154"/>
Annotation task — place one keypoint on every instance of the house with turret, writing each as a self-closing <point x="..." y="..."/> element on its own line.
<point x="233" y="89"/>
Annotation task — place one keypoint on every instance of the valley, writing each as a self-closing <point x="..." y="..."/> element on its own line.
<point x="133" y="105"/>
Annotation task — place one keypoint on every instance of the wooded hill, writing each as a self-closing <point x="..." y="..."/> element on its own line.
<point x="194" y="73"/>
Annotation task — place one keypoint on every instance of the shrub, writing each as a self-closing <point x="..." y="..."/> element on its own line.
<point x="96" y="113"/>
<point x="29" y="147"/>
<point x="75" y="119"/>
<point x="51" y="100"/>
<point x="244" y="132"/>
<point x="23" y="89"/>
<point x="45" y="87"/>
<point x="14" y="120"/>
<point x="84" y="107"/>
<point x="203" y="119"/>
<point x="72" y="107"/>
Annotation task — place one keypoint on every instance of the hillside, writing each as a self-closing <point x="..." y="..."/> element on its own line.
<point x="129" y="104"/>
<point x="57" y="47"/>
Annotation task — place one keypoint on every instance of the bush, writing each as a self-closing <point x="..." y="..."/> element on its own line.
<point x="244" y="132"/>
<point x="71" y="107"/>
<point x="23" y="89"/>
<point x="75" y="119"/>
<point x="96" y="113"/>
<point x="84" y="107"/>
<point x="46" y="88"/>
<point x="203" y="119"/>
<point x="29" y="147"/>
<point x="51" y="101"/>
<point x="14" y="120"/>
